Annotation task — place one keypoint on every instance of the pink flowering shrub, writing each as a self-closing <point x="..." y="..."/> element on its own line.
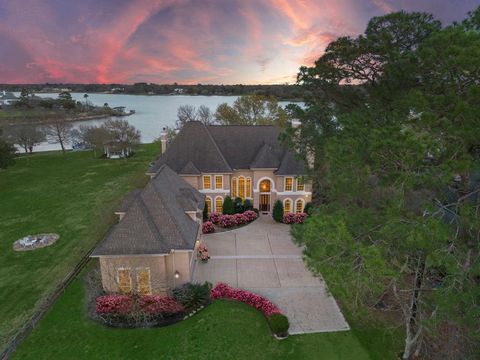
<point x="250" y="215"/>
<point x="227" y="221"/>
<point x="202" y="252"/>
<point x="158" y="304"/>
<point x="291" y="218"/>
<point x="215" y="217"/>
<point x="260" y="303"/>
<point x="114" y="304"/>
<point x="240" y="219"/>
<point x="300" y="218"/>
<point x="208" y="228"/>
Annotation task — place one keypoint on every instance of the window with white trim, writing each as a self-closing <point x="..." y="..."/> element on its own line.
<point x="248" y="187"/>
<point x="241" y="187"/>
<point x="287" y="206"/>
<point x="124" y="280"/>
<point x="300" y="184"/>
<point x="219" y="204"/>
<point x="207" y="182"/>
<point x="234" y="187"/>
<point x="288" y="184"/>
<point x="218" y="182"/>
<point x="299" y="206"/>
<point x="143" y="281"/>
<point x="208" y="201"/>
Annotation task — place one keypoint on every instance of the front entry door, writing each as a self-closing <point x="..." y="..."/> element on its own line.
<point x="264" y="203"/>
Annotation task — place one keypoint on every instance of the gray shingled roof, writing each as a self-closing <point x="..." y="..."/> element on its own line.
<point x="155" y="221"/>
<point x="223" y="148"/>
<point x="190" y="169"/>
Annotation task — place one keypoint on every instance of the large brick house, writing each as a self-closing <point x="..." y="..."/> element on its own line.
<point x="152" y="248"/>
<point x="237" y="161"/>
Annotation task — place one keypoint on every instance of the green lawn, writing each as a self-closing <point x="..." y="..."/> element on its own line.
<point x="73" y="195"/>
<point x="224" y="330"/>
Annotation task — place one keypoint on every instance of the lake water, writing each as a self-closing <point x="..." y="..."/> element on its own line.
<point x="152" y="113"/>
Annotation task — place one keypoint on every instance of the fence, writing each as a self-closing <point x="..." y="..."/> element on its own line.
<point x="42" y="310"/>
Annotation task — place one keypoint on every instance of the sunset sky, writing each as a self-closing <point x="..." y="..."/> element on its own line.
<point x="184" y="41"/>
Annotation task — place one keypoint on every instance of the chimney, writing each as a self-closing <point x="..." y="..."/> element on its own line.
<point x="163" y="139"/>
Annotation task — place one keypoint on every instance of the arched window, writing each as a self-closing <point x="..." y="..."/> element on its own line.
<point x="208" y="201"/>
<point x="299" y="206"/>
<point x="234" y="187"/>
<point x="248" y="186"/>
<point x="241" y="187"/>
<point x="265" y="185"/>
<point x="219" y="204"/>
<point x="287" y="206"/>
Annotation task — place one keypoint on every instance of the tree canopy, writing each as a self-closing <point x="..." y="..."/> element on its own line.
<point x="392" y="119"/>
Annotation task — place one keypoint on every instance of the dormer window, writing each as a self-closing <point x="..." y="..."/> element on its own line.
<point x="288" y="184"/>
<point x="218" y="182"/>
<point x="207" y="182"/>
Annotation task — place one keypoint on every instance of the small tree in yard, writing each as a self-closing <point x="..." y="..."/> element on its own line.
<point x="58" y="132"/>
<point x="27" y="136"/>
<point x="228" y="206"/>
<point x="121" y="133"/>
<point x="277" y="213"/>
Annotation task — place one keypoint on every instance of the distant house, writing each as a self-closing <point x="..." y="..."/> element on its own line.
<point x="151" y="249"/>
<point x="248" y="162"/>
<point x="8" y="98"/>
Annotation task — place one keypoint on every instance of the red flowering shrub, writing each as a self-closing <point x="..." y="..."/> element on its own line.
<point x="157" y="304"/>
<point x="114" y="304"/>
<point x="289" y="218"/>
<point x="215" y="217"/>
<point x="240" y="219"/>
<point x="250" y="215"/>
<point x="202" y="252"/>
<point x="260" y="303"/>
<point x="227" y="221"/>
<point x="208" y="228"/>
<point x="300" y="218"/>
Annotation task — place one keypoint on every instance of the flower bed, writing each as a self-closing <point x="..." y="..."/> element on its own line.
<point x="114" y="304"/>
<point x="157" y="304"/>
<point x="260" y="303"/>
<point x="228" y="221"/>
<point x="208" y="228"/>
<point x="291" y="218"/>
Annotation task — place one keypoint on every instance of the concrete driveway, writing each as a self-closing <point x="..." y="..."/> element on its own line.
<point x="261" y="257"/>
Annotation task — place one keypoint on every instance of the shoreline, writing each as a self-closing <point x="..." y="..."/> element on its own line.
<point x="74" y="119"/>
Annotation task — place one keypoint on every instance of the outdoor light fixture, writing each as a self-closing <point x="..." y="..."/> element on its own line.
<point x="177" y="274"/>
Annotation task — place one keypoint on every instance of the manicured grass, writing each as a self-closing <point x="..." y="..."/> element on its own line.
<point x="224" y="330"/>
<point x="73" y="195"/>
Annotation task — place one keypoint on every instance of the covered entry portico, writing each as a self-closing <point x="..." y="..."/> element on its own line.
<point x="265" y="195"/>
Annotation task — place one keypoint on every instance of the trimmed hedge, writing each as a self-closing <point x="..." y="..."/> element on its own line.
<point x="279" y="324"/>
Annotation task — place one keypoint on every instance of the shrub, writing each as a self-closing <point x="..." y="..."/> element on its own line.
<point x="308" y="208"/>
<point x="192" y="296"/>
<point x="300" y="218"/>
<point x="240" y="219"/>
<point x="256" y="211"/>
<point x="279" y="324"/>
<point x="260" y="303"/>
<point x="278" y="211"/>
<point x="215" y="217"/>
<point x="158" y="304"/>
<point x="228" y="206"/>
<point x="247" y="205"/>
<point x="227" y="221"/>
<point x="202" y="252"/>
<point x="208" y="228"/>
<point x="205" y="212"/>
<point x="114" y="304"/>
<point x="238" y="205"/>
<point x="250" y="215"/>
<point x="289" y="218"/>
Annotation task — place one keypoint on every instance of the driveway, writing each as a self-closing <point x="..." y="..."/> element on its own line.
<point x="261" y="257"/>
